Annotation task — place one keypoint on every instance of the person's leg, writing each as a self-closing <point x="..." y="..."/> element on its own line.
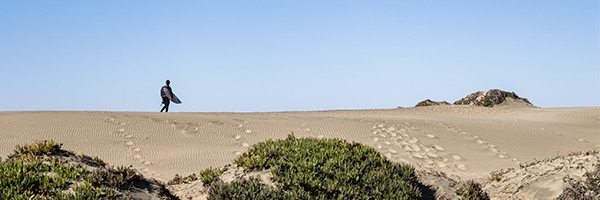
<point x="165" y="101"/>
<point x="167" y="105"/>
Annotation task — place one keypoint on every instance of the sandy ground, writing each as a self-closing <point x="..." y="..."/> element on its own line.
<point x="465" y="141"/>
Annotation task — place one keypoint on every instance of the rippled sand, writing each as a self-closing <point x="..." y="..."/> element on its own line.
<point x="465" y="141"/>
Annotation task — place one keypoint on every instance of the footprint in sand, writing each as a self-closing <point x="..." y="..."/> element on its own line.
<point x="247" y="131"/>
<point x="490" y="147"/>
<point x="144" y="162"/>
<point x="438" y="147"/>
<point x="428" y="162"/>
<point x="135" y="152"/>
<point x="432" y="155"/>
<point x="461" y="166"/>
<point x="415" y="147"/>
<point x="413" y="140"/>
<point x="245" y="145"/>
<point x="417" y="155"/>
<point x="405" y="144"/>
<point x="237" y="137"/>
<point x="456" y="157"/>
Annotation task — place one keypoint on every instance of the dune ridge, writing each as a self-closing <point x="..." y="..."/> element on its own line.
<point x="466" y="142"/>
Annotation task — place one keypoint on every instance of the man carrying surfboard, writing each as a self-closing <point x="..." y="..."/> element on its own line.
<point x="167" y="94"/>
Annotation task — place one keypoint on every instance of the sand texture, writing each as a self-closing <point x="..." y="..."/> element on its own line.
<point x="466" y="142"/>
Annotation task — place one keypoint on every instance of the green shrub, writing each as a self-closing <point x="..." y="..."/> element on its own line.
<point x="331" y="169"/>
<point x="98" y="161"/>
<point x="43" y="179"/>
<point x="87" y="191"/>
<point x="471" y="190"/>
<point x="45" y="171"/>
<point x="179" y="179"/>
<point x="43" y="148"/>
<point x="210" y="175"/>
<point x="113" y="178"/>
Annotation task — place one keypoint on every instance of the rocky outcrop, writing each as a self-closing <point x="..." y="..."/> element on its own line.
<point x="429" y="102"/>
<point x="491" y="98"/>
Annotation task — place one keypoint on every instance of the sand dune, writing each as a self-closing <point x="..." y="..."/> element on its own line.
<point x="462" y="141"/>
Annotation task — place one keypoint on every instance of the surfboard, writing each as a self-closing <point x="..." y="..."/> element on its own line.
<point x="175" y="99"/>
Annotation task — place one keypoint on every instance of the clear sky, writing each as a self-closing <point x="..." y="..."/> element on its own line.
<point x="294" y="55"/>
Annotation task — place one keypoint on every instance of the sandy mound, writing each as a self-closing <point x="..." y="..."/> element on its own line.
<point x="544" y="179"/>
<point x="461" y="141"/>
<point x="45" y="171"/>
<point x="491" y="98"/>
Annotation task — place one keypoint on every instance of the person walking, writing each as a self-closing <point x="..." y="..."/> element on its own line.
<point x="167" y="94"/>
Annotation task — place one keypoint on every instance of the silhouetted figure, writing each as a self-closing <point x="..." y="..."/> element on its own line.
<point x="167" y="94"/>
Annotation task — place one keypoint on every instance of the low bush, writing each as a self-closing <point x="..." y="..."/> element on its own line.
<point x="45" y="171"/>
<point x="38" y="149"/>
<point x="40" y="179"/>
<point x="210" y="175"/>
<point x="178" y="179"/>
<point x="471" y="190"/>
<point x="113" y="178"/>
<point x="329" y="169"/>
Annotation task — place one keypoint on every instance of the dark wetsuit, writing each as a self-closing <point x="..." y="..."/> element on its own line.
<point x="165" y="99"/>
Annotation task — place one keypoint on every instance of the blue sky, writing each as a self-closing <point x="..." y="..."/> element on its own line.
<point x="294" y="55"/>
